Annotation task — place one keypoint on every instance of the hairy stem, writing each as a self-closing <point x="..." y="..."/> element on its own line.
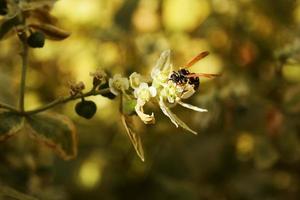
<point x="65" y="100"/>
<point x="24" y="56"/>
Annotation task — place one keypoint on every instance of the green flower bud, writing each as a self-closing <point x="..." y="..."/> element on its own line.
<point x="36" y="40"/>
<point x="86" y="109"/>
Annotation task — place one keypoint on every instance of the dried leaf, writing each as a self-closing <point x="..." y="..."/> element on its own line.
<point x="52" y="32"/>
<point x="7" y="25"/>
<point x="10" y="123"/>
<point x="43" y="16"/>
<point x="33" y="5"/>
<point x="133" y="136"/>
<point x="56" y="131"/>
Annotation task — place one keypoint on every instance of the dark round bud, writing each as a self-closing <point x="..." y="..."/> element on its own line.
<point x="3" y="7"/>
<point x="86" y="109"/>
<point x="108" y="94"/>
<point x="36" y="40"/>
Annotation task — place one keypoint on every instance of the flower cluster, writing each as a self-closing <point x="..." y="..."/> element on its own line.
<point x="159" y="88"/>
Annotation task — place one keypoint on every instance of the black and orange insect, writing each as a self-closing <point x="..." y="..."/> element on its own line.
<point x="184" y="76"/>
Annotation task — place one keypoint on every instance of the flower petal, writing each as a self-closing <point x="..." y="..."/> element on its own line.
<point x="153" y="91"/>
<point x="162" y="64"/>
<point x="174" y="118"/>
<point x="167" y="112"/>
<point x="189" y="106"/>
<point x="147" y="119"/>
<point x="111" y="88"/>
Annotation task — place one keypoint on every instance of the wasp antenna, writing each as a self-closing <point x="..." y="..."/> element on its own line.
<point x="197" y="58"/>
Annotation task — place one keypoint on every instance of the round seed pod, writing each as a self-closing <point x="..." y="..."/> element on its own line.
<point x="36" y="39"/>
<point x="86" y="109"/>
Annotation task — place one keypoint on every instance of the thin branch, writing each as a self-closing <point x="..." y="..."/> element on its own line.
<point x="65" y="100"/>
<point x="24" y="56"/>
<point x="8" y="107"/>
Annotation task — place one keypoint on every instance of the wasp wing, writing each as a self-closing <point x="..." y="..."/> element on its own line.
<point x="196" y="59"/>
<point x="203" y="75"/>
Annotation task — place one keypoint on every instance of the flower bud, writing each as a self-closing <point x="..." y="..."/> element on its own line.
<point x="99" y="77"/>
<point x="109" y="94"/>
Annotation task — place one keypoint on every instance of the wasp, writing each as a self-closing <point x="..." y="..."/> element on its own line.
<point x="183" y="76"/>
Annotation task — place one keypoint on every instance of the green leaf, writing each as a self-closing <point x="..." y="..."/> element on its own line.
<point x="134" y="137"/>
<point x="128" y="105"/>
<point x="10" y="123"/>
<point x="56" y="131"/>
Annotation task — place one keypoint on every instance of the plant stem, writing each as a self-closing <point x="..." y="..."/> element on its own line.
<point x="8" y="107"/>
<point x="65" y="100"/>
<point x="24" y="56"/>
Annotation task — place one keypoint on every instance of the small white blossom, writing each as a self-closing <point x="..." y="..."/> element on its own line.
<point x="143" y="94"/>
<point x="135" y="80"/>
<point x="171" y="93"/>
<point x="118" y="84"/>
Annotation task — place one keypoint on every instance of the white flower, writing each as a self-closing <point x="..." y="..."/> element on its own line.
<point x="171" y="93"/>
<point x="143" y="94"/>
<point x="135" y="79"/>
<point x="118" y="84"/>
<point x="162" y="70"/>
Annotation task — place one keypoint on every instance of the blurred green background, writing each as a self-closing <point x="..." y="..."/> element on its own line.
<point x="248" y="146"/>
